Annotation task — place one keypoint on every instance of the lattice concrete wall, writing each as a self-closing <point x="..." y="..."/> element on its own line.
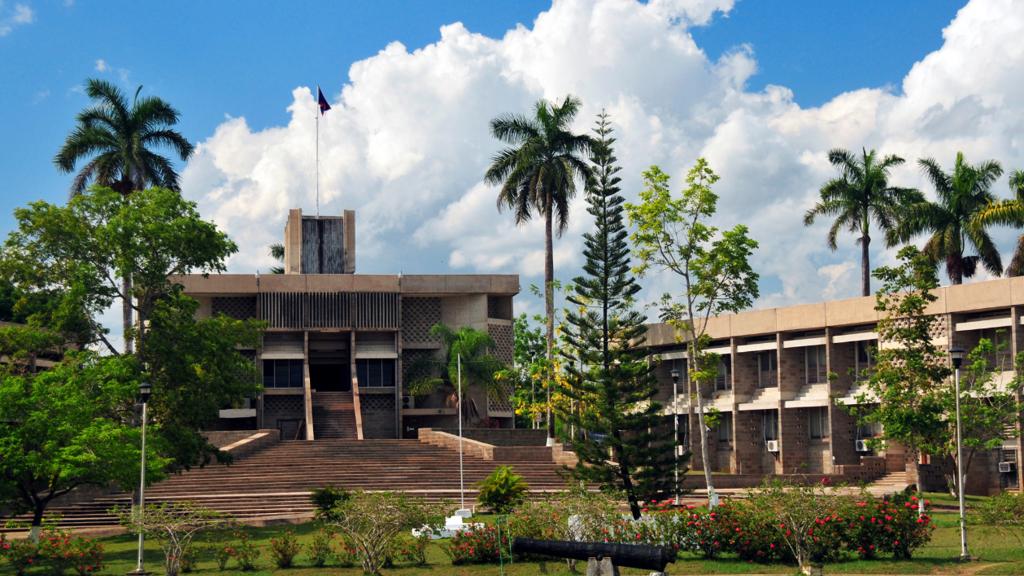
<point x="239" y="308"/>
<point x="408" y="358"/>
<point x="377" y="402"/>
<point x="378" y="415"/>
<point x="504" y="338"/>
<point x="499" y="307"/>
<point x="419" y="315"/>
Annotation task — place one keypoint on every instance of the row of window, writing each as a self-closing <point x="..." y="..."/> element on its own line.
<point x="817" y="425"/>
<point x="371" y="372"/>
<point x="815" y="360"/>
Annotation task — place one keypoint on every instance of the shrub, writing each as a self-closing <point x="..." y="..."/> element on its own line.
<point x="475" y="546"/>
<point x="327" y="498"/>
<point x="372" y="521"/>
<point x="55" y="552"/>
<point x="321" y="550"/>
<point x="283" y="550"/>
<point x="704" y="531"/>
<point x="808" y="519"/>
<point x="503" y="490"/>
<point x="173" y="525"/>
<point x="904" y="530"/>
<point x="414" y="549"/>
<point x="189" y="558"/>
<point x="245" y="552"/>
<point x="348" y="553"/>
<point x="223" y="553"/>
<point x="1004" y="509"/>
<point x="21" y="555"/>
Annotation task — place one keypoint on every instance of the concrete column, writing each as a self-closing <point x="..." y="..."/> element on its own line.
<point x="1016" y="336"/>
<point x="355" y="385"/>
<point x="734" y="457"/>
<point x="307" y="390"/>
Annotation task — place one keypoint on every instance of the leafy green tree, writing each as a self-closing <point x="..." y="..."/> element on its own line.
<point x="674" y="235"/>
<point x="607" y="337"/>
<point x="901" y="394"/>
<point x="66" y="426"/>
<point x="861" y="193"/>
<point x="528" y="347"/>
<point x="538" y="173"/>
<point x="81" y="249"/>
<point x="469" y="348"/>
<point x="503" y="490"/>
<point x="42" y="308"/>
<point x="1011" y="213"/>
<point x="953" y="220"/>
<point x="118" y="140"/>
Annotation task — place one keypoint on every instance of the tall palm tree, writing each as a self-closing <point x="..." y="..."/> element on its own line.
<point x="537" y="173"/>
<point x="952" y="220"/>
<point x="117" y="140"/>
<point x="859" y="195"/>
<point x="465" y="347"/>
<point x="1009" y="212"/>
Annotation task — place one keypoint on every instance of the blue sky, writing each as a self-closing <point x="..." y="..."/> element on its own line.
<point x="761" y="88"/>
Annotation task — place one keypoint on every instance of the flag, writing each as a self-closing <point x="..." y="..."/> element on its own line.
<point x="321" y="101"/>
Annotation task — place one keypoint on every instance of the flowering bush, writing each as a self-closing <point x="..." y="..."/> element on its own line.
<point x="321" y="550"/>
<point x="55" y="551"/>
<point x="245" y="552"/>
<point x="414" y="549"/>
<point x="189" y="559"/>
<point x="475" y="547"/>
<point x="222" y="554"/>
<point x="704" y="531"/>
<point x="348" y="553"/>
<point x="20" y="554"/>
<point x="283" y="550"/>
<point x="173" y="525"/>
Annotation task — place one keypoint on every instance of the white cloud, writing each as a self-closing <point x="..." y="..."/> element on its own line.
<point x="16" y="16"/>
<point x="407" y="143"/>
<point x="101" y="66"/>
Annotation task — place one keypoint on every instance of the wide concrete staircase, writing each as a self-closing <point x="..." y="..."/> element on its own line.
<point x="275" y="482"/>
<point x="334" y="415"/>
<point x="889" y="484"/>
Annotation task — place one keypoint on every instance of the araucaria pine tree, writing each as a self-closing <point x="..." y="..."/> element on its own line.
<point x="611" y="378"/>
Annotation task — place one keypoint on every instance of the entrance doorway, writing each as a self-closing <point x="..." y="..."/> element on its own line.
<point x="329" y="368"/>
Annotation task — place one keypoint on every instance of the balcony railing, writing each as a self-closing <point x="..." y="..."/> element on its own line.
<point x="768" y="379"/>
<point x="723" y="382"/>
<point x="818" y="375"/>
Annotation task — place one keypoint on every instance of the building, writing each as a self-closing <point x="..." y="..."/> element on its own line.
<point x="776" y="399"/>
<point x="333" y="359"/>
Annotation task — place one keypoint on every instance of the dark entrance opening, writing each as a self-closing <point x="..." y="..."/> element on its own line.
<point x="333" y="377"/>
<point x="329" y="367"/>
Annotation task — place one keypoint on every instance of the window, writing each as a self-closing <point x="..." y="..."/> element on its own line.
<point x="725" y="428"/>
<point x="282" y="373"/>
<point x="724" y="380"/>
<point x="817" y="365"/>
<point x="818" y="424"/>
<point x="1000" y="359"/>
<point x="865" y="358"/>
<point x="375" y="372"/>
<point x="768" y="369"/>
<point x="770" y="424"/>
<point x="869" y="430"/>
<point x="684" y="433"/>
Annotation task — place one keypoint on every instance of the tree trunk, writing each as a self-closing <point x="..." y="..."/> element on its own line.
<point x="549" y="303"/>
<point x="37" y="522"/>
<point x="704" y="456"/>
<point x="865" y="264"/>
<point x="126" y="313"/>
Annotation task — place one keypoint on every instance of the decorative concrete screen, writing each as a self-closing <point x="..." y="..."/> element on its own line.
<point x="239" y="308"/>
<point x="419" y="315"/>
<point x="297" y="310"/>
<point x="499" y="307"/>
<point x="503" y="337"/>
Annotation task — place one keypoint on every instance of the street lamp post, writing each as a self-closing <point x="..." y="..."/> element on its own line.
<point x="533" y="390"/>
<point x="572" y="405"/>
<point x="956" y="353"/>
<point x="145" y="391"/>
<point x="675" y="416"/>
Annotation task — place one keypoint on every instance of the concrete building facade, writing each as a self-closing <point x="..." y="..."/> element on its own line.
<point x="780" y="413"/>
<point x="334" y="358"/>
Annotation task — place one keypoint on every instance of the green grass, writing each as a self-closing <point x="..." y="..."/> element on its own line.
<point x="1002" y="547"/>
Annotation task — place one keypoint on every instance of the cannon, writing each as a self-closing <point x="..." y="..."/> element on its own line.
<point x="622" y="555"/>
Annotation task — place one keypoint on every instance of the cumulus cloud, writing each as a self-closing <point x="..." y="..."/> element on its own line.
<point x="406" y="144"/>
<point x="101" y="66"/>
<point x="13" y="17"/>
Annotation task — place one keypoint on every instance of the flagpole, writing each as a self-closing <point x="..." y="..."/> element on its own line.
<point x="318" y="152"/>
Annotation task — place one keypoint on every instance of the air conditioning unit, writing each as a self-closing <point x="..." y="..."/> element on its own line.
<point x="1006" y="467"/>
<point x="680" y="451"/>
<point x="924" y="459"/>
<point x="773" y="445"/>
<point x="861" y="446"/>
<point x="408" y="402"/>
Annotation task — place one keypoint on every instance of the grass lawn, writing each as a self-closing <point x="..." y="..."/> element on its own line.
<point x="1001" y="552"/>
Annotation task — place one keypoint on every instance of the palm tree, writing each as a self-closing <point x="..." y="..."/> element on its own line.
<point x="277" y="253"/>
<point x="117" y="140"/>
<point x="538" y="173"/>
<point x="1009" y="212"/>
<point x="859" y="195"/>
<point x="466" y="347"/>
<point x="952" y="221"/>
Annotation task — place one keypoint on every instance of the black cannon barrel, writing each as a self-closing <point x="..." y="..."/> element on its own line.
<point x="622" y="555"/>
